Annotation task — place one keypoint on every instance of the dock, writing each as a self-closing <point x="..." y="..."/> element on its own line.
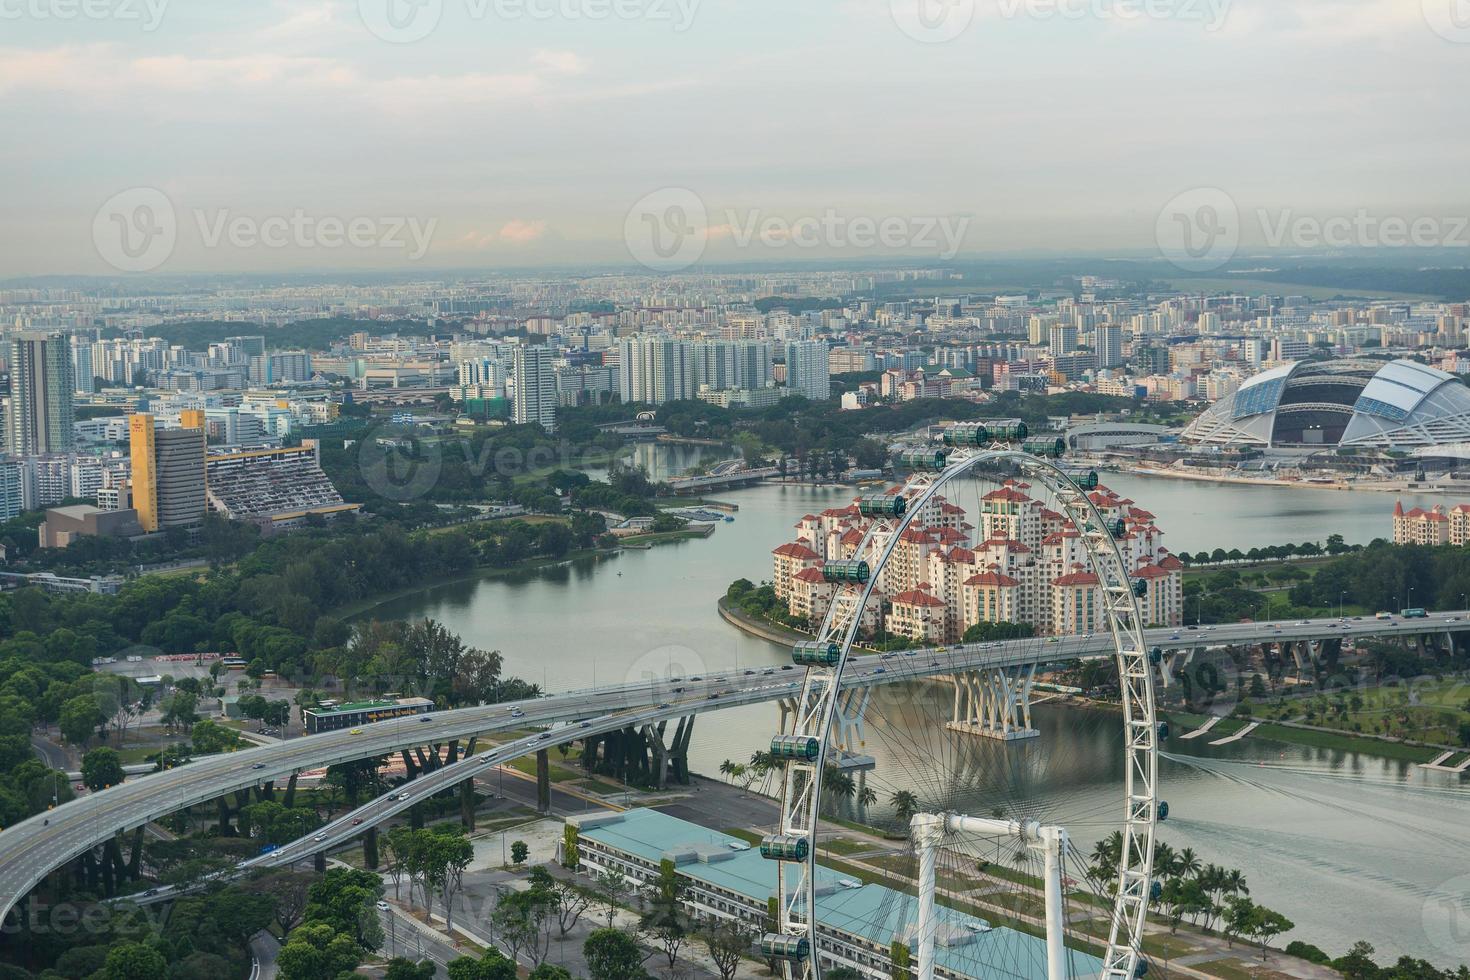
<point x="1441" y="764"/>
<point x="1203" y="728"/>
<point x="1238" y="735"/>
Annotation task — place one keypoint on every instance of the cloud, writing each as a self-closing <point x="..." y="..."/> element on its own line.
<point x="521" y="232"/>
<point x="562" y="62"/>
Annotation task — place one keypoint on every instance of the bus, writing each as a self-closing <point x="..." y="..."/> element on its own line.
<point x="1415" y="613"/>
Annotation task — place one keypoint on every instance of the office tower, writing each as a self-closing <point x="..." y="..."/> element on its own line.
<point x="807" y="370"/>
<point x="535" y="388"/>
<point x="1109" y="345"/>
<point x="42" y="384"/>
<point x="248" y="346"/>
<point x="168" y="471"/>
<point x="81" y="363"/>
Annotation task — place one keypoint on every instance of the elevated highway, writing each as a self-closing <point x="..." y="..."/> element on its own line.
<point x="33" y="848"/>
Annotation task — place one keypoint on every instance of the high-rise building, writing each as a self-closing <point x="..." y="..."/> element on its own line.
<point x="168" y="471"/>
<point x="42" y="386"/>
<point x="807" y="370"/>
<point x="1063" y="339"/>
<point x="535" y="388"/>
<point x="655" y="370"/>
<point x="1109" y="345"/>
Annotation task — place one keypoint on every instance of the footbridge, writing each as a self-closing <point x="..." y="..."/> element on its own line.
<point x="34" y="848"/>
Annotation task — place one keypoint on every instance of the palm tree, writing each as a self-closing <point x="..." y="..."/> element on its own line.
<point x="867" y="796"/>
<point x="838" y="783"/>
<point x="1187" y="863"/>
<point x="727" y="769"/>
<point x="905" y="805"/>
<point x="1235" y="882"/>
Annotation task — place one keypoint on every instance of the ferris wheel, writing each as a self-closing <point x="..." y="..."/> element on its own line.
<point x="956" y="792"/>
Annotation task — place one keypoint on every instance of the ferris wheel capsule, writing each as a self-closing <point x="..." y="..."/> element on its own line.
<point x="967" y="435"/>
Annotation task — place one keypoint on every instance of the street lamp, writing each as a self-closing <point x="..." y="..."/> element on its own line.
<point x="1340" y="597"/>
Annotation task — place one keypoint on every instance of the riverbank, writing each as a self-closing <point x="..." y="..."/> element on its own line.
<point x="1293" y="733"/>
<point x="759" y="628"/>
<point x="1379" y="486"/>
<point x="355" y="610"/>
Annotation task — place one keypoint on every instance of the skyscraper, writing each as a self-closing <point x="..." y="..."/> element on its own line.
<point x="42" y="385"/>
<point x="168" y="471"/>
<point x="807" y="370"/>
<point x="535" y="388"/>
<point x="1109" y="345"/>
<point x="654" y="370"/>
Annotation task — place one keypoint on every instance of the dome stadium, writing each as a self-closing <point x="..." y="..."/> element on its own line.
<point x="1350" y="403"/>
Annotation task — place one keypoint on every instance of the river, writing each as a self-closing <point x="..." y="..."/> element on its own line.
<point x="1348" y="846"/>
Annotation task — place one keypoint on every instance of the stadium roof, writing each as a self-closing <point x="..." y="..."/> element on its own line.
<point x="1350" y="403"/>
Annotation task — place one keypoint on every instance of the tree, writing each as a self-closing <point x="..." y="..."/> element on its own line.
<point x="612" y="954"/>
<point x="402" y="969"/>
<point x="727" y="941"/>
<point x="101" y="768"/>
<point x="344" y="901"/>
<point x="288" y="891"/>
<point x="134" y="961"/>
<point x="1266" y="925"/>
<point x="316" y="951"/>
<point x="610" y="886"/>
<point x="492" y="966"/>
<point x="664" y="920"/>
<point x="905" y="805"/>
<point x="80" y="718"/>
<point x="572" y="902"/>
<point x="519" y="852"/>
<point x="520" y="921"/>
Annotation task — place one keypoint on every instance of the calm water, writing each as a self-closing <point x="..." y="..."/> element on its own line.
<point x="1348" y="846"/>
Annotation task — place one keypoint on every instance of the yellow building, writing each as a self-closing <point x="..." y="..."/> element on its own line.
<point x="168" y="471"/>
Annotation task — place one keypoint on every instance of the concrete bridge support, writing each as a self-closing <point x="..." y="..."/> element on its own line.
<point x="543" y="782"/>
<point x="848" y="734"/>
<point x="994" y="703"/>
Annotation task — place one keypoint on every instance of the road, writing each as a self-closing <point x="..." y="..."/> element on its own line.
<point x="32" y="848"/>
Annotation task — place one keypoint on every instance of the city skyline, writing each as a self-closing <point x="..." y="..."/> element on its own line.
<point x="691" y="99"/>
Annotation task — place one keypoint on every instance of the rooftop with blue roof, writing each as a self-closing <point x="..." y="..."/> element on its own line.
<point x="967" y="946"/>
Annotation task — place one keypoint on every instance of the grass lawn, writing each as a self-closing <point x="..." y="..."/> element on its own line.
<point x="843" y="846"/>
<point x="559" y="773"/>
<point x="1345" y="742"/>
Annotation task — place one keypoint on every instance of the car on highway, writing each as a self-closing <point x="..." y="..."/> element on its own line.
<point x="356" y="731"/>
<point x="712" y="697"/>
<point x="517" y="713"/>
<point x="662" y="705"/>
<point x="789" y="667"/>
<point x="426" y="718"/>
<point x="543" y="736"/>
<point x="585" y="724"/>
<point x="319" y="838"/>
<point x="356" y="821"/>
<point x="382" y="906"/>
<point x="258" y="765"/>
<point x="401" y="797"/>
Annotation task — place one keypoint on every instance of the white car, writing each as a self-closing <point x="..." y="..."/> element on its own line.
<point x="382" y="906"/>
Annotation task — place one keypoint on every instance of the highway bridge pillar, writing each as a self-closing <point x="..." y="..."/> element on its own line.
<point x="467" y="803"/>
<point x="851" y="739"/>
<point x="653" y="739"/>
<point x="370" y="849"/>
<point x="994" y="703"/>
<point x="135" y="858"/>
<point x="543" y="782"/>
<point x="290" y="791"/>
<point x="319" y="862"/>
<point x="679" y="753"/>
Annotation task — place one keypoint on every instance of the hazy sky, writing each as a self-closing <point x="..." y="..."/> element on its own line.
<point x="522" y="132"/>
